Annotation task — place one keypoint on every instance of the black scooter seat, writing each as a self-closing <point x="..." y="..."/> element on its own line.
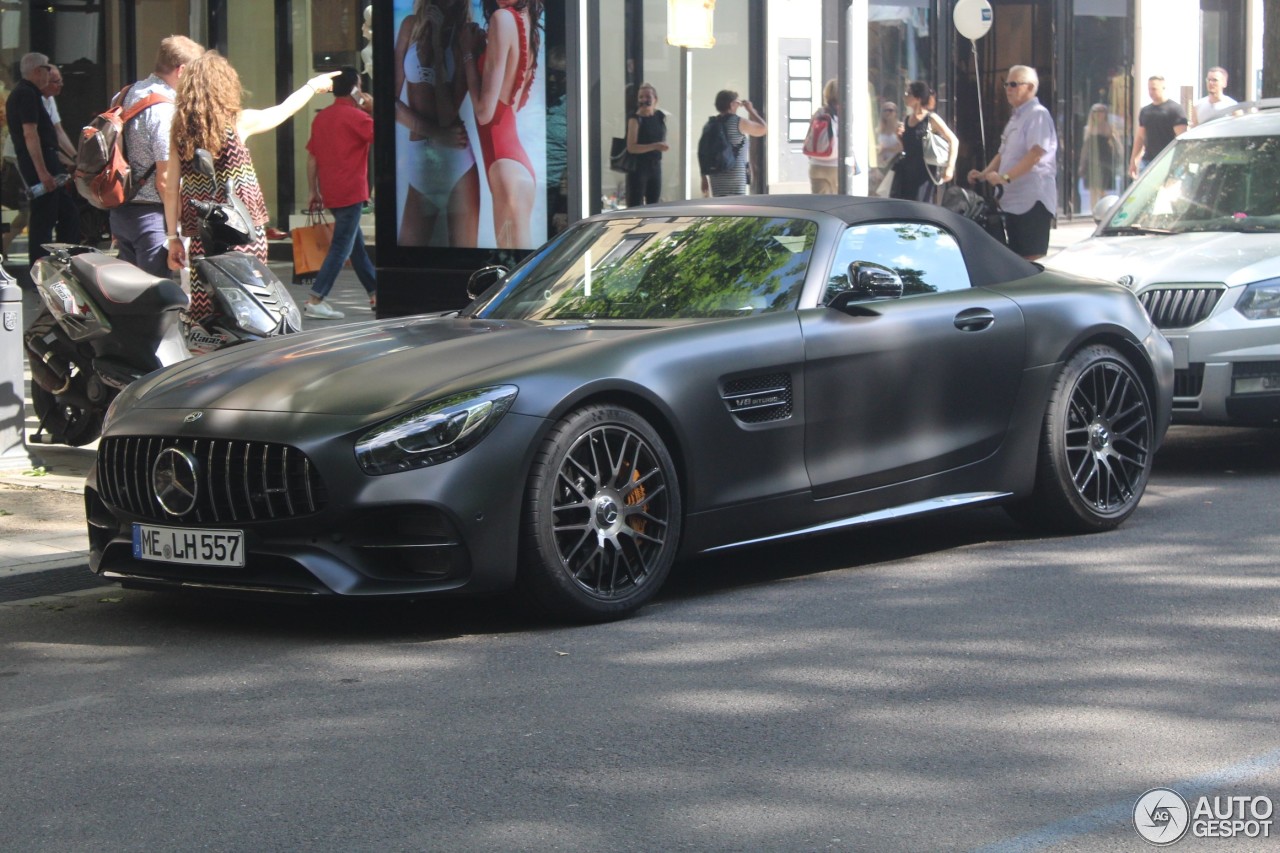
<point x="125" y="288"/>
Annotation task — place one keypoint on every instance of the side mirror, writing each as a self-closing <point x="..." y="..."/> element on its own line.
<point x="204" y="163"/>
<point x="874" y="281"/>
<point x="1103" y="208"/>
<point x="484" y="278"/>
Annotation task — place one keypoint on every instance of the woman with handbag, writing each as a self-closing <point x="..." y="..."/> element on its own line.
<point x="923" y="134"/>
<point x="646" y="140"/>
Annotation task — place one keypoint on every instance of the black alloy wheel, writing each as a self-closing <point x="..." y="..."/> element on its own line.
<point x="602" y="519"/>
<point x="1096" y="447"/>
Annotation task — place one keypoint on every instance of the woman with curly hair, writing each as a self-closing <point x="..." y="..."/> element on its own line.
<point x="431" y="142"/>
<point x="207" y="114"/>
<point x="500" y="65"/>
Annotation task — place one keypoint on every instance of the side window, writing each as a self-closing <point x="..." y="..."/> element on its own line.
<point x="925" y="257"/>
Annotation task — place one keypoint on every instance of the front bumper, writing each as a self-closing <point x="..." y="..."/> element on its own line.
<point x="452" y="527"/>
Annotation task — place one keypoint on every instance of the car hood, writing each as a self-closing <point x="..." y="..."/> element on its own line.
<point x="1199" y="257"/>
<point x="367" y="368"/>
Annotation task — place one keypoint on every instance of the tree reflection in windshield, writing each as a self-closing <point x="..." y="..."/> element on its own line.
<point x="649" y="268"/>
<point x="1226" y="184"/>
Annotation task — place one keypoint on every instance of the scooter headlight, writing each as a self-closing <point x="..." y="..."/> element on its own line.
<point x="248" y="314"/>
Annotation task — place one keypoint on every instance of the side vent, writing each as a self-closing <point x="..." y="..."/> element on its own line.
<point x="759" y="399"/>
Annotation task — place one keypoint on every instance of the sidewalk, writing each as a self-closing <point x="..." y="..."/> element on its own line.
<point x="42" y="523"/>
<point x="41" y="504"/>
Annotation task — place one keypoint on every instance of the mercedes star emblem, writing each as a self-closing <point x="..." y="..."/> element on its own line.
<point x="175" y="481"/>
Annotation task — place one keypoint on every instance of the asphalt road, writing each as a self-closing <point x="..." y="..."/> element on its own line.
<point x="941" y="685"/>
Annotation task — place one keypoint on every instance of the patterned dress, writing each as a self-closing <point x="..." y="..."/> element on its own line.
<point x="232" y="163"/>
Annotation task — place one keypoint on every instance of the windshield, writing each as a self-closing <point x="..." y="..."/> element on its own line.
<point x="1230" y="184"/>
<point x="669" y="267"/>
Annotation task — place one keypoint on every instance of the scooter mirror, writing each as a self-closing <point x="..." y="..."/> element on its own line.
<point x="204" y="162"/>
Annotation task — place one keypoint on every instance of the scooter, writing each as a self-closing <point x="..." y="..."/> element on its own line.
<point x="105" y="323"/>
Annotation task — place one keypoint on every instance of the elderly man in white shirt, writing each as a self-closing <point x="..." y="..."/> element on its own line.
<point x="1026" y="166"/>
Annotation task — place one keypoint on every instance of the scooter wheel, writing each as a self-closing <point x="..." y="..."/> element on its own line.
<point x="70" y="425"/>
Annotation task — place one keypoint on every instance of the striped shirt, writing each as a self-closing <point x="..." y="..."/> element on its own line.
<point x="734" y="181"/>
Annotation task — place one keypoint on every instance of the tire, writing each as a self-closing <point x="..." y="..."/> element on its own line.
<point x="67" y="424"/>
<point x="602" y="517"/>
<point x="1097" y="445"/>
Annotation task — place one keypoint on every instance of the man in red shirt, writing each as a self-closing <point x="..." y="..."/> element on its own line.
<point x="338" y="173"/>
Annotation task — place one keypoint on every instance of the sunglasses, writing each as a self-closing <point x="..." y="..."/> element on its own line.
<point x="1013" y="85"/>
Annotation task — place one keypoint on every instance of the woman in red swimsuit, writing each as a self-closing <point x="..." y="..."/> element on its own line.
<point x="500" y="66"/>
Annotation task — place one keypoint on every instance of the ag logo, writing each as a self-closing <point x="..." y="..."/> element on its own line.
<point x="1161" y="816"/>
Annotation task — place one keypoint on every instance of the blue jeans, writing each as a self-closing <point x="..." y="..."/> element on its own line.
<point x="348" y="242"/>
<point x="139" y="233"/>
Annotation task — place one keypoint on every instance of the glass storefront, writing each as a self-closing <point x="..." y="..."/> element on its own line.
<point x="1101" y="103"/>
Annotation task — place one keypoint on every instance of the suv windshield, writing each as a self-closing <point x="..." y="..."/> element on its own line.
<point x="1229" y="184"/>
<point x="654" y="268"/>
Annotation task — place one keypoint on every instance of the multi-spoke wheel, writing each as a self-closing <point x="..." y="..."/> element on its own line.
<point x="602" y="516"/>
<point x="1096" y="447"/>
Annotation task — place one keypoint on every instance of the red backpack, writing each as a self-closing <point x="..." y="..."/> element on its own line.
<point x="102" y="171"/>
<point x="820" y="140"/>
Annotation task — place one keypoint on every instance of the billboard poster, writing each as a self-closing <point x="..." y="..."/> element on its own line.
<point x="470" y="123"/>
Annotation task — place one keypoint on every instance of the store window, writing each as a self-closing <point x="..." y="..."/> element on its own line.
<point x="1101" y="103"/>
<point x="899" y="45"/>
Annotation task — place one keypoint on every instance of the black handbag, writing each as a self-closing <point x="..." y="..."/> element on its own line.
<point x="620" y="159"/>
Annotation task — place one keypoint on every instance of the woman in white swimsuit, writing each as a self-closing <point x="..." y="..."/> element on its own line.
<point x="432" y="150"/>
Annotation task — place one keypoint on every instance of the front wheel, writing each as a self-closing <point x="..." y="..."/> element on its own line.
<point x="66" y="423"/>
<point x="1096" y="446"/>
<point x="602" y="516"/>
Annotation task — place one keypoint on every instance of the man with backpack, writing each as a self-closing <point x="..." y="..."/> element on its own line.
<point x="138" y="225"/>
<point x="722" y="148"/>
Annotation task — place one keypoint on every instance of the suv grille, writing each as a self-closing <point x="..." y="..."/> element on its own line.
<point x="1180" y="307"/>
<point x="236" y="481"/>
<point x="759" y="399"/>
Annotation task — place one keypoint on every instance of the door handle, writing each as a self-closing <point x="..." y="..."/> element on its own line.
<point x="974" y="320"/>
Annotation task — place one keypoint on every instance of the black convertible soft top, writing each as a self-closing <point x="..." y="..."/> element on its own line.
<point x="989" y="262"/>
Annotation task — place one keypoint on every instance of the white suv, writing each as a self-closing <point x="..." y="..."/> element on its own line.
<point x="1197" y="238"/>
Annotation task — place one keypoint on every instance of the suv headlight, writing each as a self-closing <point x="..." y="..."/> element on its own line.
<point x="1261" y="300"/>
<point x="434" y="433"/>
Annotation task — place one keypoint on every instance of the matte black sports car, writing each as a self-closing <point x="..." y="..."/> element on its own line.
<point x="652" y="383"/>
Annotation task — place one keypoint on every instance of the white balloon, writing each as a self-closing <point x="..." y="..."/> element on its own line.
<point x="972" y="18"/>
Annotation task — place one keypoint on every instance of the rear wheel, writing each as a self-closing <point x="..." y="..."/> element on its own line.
<point x="66" y="423"/>
<point x="1096" y="446"/>
<point x="602" y="516"/>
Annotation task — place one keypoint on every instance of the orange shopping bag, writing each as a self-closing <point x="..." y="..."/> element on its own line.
<point x="310" y="245"/>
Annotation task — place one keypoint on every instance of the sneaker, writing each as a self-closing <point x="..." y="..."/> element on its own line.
<point x="322" y="311"/>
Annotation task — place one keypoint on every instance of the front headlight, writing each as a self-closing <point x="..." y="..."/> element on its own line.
<point x="246" y="312"/>
<point x="434" y="433"/>
<point x="1261" y="300"/>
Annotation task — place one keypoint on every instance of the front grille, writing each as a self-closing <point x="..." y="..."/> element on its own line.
<point x="1188" y="382"/>
<point x="237" y="481"/>
<point x="1180" y="307"/>
<point x="759" y="399"/>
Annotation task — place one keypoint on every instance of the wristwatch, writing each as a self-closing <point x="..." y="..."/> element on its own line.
<point x="1007" y="178"/>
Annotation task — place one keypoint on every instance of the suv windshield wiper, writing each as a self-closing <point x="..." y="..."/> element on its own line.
<point x="1135" y="229"/>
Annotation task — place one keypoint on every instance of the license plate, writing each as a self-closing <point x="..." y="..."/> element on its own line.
<point x="193" y="547"/>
